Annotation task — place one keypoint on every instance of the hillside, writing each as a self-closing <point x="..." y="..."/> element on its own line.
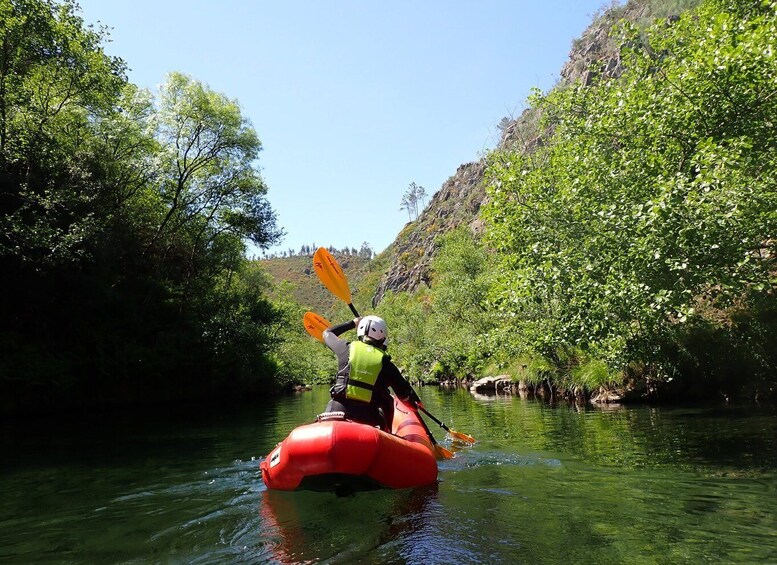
<point x="408" y="259"/>
<point x="405" y="264"/>
<point x="305" y="287"/>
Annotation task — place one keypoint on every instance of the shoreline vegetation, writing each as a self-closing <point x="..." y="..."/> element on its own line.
<point x="123" y="221"/>
<point x="628" y="247"/>
<point x="627" y="252"/>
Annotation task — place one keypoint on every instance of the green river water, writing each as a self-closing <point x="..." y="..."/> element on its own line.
<point x="543" y="484"/>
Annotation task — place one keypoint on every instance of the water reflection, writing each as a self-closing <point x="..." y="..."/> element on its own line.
<point x="378" y="527"/>
<point x="543" y="484"/>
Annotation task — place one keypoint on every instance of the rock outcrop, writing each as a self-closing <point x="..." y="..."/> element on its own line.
<point x="457" y="202"/>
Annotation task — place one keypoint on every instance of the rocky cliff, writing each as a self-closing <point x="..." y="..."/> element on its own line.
<point x="457" y="202"/>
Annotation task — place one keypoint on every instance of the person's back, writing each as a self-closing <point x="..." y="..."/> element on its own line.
<point x="365" y="373"/>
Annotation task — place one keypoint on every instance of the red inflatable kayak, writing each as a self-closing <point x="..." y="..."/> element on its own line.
<point x="344" y="456"/>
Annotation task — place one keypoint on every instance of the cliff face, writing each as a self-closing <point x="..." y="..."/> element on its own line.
<point x="457" y="202"/>
<point x="459" y="199"/>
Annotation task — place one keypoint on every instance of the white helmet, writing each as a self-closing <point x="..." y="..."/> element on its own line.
<point x="373" y="328"/>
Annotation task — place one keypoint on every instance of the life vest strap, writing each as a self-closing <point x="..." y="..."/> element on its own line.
<point x="360" y="384"/>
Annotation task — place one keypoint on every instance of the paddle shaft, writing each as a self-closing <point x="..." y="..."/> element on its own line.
<point x="425" y="411"/>
<point x="439" y="450"/>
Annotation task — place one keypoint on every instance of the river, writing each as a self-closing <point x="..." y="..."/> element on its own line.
<point x="543" y="484"/>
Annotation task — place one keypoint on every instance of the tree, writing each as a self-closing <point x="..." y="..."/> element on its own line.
<point x="411" y="198"/>
<point x="460" y="320"/>
<point x="208" y="179"/>
<point x="55" y="84"/>
<point x="122" y="226"/>
<point x="365" y="252"/>
<point x="407" y="205"/>
<point x="420" y="197"/>
<point x="652" y="198"/>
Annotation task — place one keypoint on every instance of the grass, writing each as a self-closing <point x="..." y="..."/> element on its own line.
<point x="307" y="290"/>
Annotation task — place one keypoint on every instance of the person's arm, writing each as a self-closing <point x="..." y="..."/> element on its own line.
<point x="331" y="334"/>
<point x="398" y="383"/>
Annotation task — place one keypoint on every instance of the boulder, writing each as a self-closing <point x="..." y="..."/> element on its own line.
<point x="491" y="384"/>
<point x="606" y="396"/>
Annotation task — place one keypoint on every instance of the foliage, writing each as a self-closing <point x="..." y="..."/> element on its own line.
<point x="122" y="228"/>
<point x="443" y="332"/>
<point x="406" y="316"/>
<point x="654" y="193"/>
<point x="299" y="358"/>
<point x="56" y="83"/>
<point x="208" y="181"/>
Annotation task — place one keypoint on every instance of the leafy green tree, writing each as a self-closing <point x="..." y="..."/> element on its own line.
<point x="461" y="320"/>
<point x="365" y="251"/>
<point x="241" y="329"/>
<point x="407" y="318"/>
<point x="209" y="183"/>
<point x="653" y="194"/>
<point x="122" y="228"/>
<point x="300" y="359"/>
<point x="55" y="81"/>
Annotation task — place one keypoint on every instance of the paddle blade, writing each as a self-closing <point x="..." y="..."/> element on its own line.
<point x="315" y="325"/>
<point x="453" y="433"/>
<point x="441" y="453"/>
<point x="331" y="275"/>
<point x="468" y="439"/>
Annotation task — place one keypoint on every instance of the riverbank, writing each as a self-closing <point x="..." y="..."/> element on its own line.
<point x="633" y="392"/>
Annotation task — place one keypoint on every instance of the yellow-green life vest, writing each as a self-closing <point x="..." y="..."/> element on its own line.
<point x="366" y="362"/>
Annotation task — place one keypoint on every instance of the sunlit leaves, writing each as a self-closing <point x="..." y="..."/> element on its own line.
<point x="56" y="81"/>
<point x="649" y="191"/>
<point x="207" y="165"/>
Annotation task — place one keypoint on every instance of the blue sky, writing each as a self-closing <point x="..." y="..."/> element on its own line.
<point x="353" y="100"/>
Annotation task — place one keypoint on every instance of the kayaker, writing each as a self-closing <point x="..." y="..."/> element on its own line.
<point x="364" y="374"/>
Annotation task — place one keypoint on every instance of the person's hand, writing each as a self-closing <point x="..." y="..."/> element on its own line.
<point x="356" y="321"/>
